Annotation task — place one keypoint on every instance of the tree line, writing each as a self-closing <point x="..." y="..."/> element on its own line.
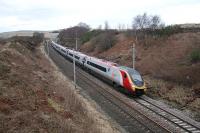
<point x="143" y="26"/>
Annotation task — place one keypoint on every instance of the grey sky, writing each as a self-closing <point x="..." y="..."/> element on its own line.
<point x="57" y="14"/>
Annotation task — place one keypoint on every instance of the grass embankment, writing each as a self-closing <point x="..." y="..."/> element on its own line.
<point x="35" y="97"/>
<point x="181" y="97"/>
<point x="170" y="64"/>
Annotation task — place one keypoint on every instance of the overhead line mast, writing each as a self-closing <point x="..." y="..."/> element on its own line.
<point x="74" y="63"/>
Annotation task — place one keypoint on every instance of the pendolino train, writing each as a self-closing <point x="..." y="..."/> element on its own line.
<point x="120" y="76"/>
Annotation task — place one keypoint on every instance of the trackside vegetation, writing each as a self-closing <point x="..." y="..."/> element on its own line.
<point x="195" y="56"/>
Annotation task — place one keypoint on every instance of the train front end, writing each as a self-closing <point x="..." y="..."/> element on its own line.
<point x="133" y="81"/>
<point x="138" y="84"/>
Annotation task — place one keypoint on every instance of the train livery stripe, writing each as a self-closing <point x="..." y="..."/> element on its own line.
<point x="126" y="82"/>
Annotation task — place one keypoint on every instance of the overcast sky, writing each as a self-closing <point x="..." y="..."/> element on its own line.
<point x="58" y="14"/>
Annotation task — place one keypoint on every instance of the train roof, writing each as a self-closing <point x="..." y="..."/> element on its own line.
<point x="109" y="63"/>
<point x="129" y="70"/>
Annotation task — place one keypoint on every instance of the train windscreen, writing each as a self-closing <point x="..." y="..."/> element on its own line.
<point x="136" y="77"/>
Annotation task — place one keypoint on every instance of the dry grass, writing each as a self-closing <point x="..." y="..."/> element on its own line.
<point x="167" y="60"/>
<point x="176" y="95"/>
<point x="35" y="97"/>
<point x="84" y="115"/>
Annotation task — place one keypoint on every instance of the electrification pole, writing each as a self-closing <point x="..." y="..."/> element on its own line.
<point x="74" y="63"/>
<point x="134" y="52"/>
<point x="74" y="69"/>
<point x="47" y="45"/>
<point x="76" y="41"/>
<point x="133" y="55"/>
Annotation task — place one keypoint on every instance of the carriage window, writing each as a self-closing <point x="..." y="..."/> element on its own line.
<point x="71" y="54"/>
<point x="97" y="66"/>
<point x="77" y="57"/>
<point x="63" y="50"/>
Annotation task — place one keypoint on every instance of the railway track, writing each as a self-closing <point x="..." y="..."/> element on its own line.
<point x="181" y="123"/>
<point x="149" y="124"/>
<point x="137" y="113"/>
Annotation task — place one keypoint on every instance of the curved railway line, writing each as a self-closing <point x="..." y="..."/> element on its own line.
<point x="181" y="123"/>
<point x="150" y="124"/>
<point x="143" y="114"/>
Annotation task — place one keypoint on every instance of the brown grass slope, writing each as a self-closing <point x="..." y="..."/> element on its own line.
<point x="166" y="60"/>
<point x="35" y="98"/>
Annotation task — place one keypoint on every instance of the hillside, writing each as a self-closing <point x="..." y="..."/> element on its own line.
<point x="47" y="34"/>
<point x="166" y="64"/>
<point x="36" y="97"/>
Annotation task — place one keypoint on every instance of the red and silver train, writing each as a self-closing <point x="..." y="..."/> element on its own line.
<point x="127" y="78"/>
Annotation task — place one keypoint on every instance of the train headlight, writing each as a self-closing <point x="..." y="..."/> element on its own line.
<point x="133" y="87"/>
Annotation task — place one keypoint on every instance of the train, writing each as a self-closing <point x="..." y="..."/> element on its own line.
<point x="119" y="76"/>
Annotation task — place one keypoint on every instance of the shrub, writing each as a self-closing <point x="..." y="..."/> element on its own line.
<point x="195" y="56"/>
<point x="2" y="41"/>
<point x="104" y="41"/>
<point x="88" y="35"/>
<point x="38" y="37"/>
<point x="4" y="69"/>
<point x="68" y="36"/>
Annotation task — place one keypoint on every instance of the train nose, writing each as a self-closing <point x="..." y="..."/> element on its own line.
<point x="139" y="90"/>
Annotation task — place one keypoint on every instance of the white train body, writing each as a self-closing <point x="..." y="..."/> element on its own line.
<point x="105" y="68"/>
<point x="123" y="76"/>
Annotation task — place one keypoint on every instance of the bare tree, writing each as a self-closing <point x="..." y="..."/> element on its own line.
<point x="146" y="21"/>
<point x="155" y="22"/>
<point x="119" y="27"/>
<point x="144" y="24"/>
<point x="99" y="27"/>
<point x="141" y="22"/>
<point x="68" y="36"/>
<point x="106" y="25"/>
<point x="84" y="25"/>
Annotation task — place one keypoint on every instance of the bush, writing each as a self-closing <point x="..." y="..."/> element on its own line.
<point x="68" y="36"/>
<point x="165" y="31"/>
<point x="4" y="69"/>
<point x="195" y="56"/>
<point x="38" y="37"/>
<point x="2" y="41"/>
<point x="87" y="36"/>
<point x="104" y="41"/>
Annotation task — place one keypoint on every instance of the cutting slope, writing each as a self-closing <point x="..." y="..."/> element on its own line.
<point x="36" y="97"/>
<point x="165" y="64"/>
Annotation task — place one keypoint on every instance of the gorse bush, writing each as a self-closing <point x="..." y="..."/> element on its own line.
<point x="164" y="31"/>
<point x="67" y="37"/>
<point x="169" y="30"/>
<point x="104" y="41"/>
<point x="90" y="34"/>
<point x="195" y="56"/>
<point x="38" y="37"/>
